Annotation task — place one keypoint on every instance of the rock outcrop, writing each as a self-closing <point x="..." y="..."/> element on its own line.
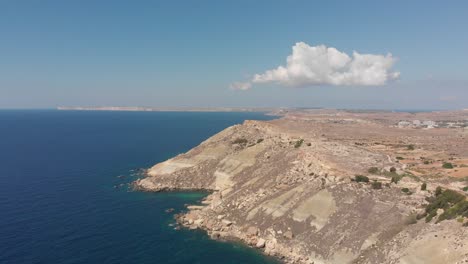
<point x="287" y="189"/>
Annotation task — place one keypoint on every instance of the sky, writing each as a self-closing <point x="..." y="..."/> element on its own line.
<point x="335" y="54"/>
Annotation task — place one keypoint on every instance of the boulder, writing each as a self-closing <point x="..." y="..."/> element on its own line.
<point x="260" y="243"/>
<point x="226" y="222"/>
<point x="214" y="235"/>
<point x="288" y="234"/>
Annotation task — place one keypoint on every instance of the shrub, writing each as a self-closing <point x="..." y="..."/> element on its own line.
<point x="260" y="140"/>
<point x="373" y="170"/>
<point x="453" y="203"/>
<point x="438" y="191"/>
<point x="423" y="186"/>
<point x="459" y="209"/>
<point x="426" y="162"/>
<point x="361" y="178"/>
<point x="465" y="189"/>
<point x="447" y="165"/>
<point x="392" y="169"/>
<point x="376" y="185"/>
<point x="406" y="190"/>
<point x="241" y="141"/>
<point x="410" y="147"/>
<point x="396" y="178"/>
<point x="309" y="144"/>
<point x="430" y="216"/>
<point x="400" y="158"/>
<point x="299" y="143"/>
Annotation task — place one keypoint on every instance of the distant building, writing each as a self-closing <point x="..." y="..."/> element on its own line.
<point x="416" y="123"/>
<point x="429" y="123"/>
<point x="404" y="124"/>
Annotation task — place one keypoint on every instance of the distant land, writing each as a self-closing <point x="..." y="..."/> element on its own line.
<point x="164" y="109"/>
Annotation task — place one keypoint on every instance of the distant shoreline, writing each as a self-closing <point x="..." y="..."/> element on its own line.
<point x="167" y="109"/>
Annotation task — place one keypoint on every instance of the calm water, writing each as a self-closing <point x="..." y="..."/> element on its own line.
<point x="58" y="203"/>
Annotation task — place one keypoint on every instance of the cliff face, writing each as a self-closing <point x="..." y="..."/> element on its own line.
<point x="285" y="187"/>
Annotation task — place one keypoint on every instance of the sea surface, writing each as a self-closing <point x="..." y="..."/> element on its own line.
<point x="64" y="195"/>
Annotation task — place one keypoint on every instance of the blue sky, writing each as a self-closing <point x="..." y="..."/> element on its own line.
<point x="188" y="53"/>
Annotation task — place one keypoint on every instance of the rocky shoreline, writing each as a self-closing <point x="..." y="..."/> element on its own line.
<point x="289" y="188"/>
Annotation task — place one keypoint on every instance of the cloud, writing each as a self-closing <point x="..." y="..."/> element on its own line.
<point x="241" y="85"/>
<point x="321" y="65"/>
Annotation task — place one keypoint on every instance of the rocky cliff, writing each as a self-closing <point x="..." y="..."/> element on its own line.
<point x="286" y="187"/>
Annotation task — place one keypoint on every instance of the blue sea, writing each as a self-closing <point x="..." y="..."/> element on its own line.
<point x="64" y="195"/>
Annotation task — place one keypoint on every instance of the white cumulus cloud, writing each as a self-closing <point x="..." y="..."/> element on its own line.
<point x="321" y="65"/>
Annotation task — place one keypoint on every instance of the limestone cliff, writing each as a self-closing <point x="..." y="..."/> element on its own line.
<point x="286" y="188"/>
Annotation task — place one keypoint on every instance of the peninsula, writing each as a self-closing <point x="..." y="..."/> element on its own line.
<point x="332" y="186"/>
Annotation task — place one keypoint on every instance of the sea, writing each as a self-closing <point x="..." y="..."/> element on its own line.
<point x="65" y="195"/>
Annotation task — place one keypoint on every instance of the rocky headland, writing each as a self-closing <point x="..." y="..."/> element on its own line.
<point x="328" y="186"/>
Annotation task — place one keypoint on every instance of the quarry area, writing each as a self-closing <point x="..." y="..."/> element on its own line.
<point x="332" y="186"/>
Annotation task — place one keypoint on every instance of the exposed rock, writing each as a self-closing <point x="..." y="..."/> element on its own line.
<point x="214" y="235"/>
<point x="252" y="231"/>
<point x="288" y="234"/>
<point x="226" y="222"/>
<point x="260" y="243"/>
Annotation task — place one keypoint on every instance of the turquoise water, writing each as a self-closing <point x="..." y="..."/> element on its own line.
<point x="58" y="197"/>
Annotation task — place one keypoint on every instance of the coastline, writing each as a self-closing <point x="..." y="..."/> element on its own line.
<point x="286" y="187"/>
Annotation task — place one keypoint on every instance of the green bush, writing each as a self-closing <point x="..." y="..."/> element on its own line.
<point x="458" y="209"/>
<point x="423" y="186"/>
<point x="400" y="158"/>
<point x="361" y="178"/>
<point x="430" y="216"/>
<point x="392" y="169"/>
<point x="406" y="190"/>
<point x="373" y="170"/>
<point x="438" y="191"/>
<point x="465" y="189"/>
<point x="447" y="165"/>
<point x="410" y="147"/>
<point x="299" y="143"/>
<point x="376" y="185"/>
<point x="453" y="203"/>
<point x="426" y="162"/>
